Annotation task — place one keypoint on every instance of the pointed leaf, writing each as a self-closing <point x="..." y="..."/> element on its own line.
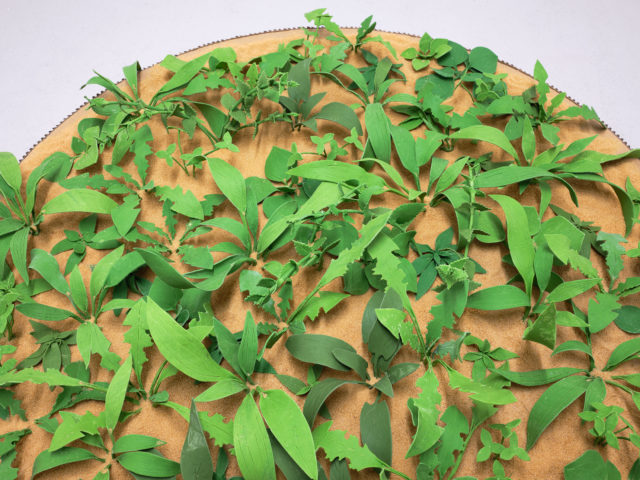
<point x="551" y="403"/>
<point x="251" y="443"/>
<point x="288" y="425"/>
<point x="195" y="458"/>
<point x="181" y="348"/>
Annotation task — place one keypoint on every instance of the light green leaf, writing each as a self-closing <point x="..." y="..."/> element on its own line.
<point x="116" y="393"/>
<point x="10" y="171"/>
<point x="337" y="444"/>
<point x="518" y="238"/>
<point x="543" y="330"/>
<point x="248" y="350"/>
<point x="288" y="425"/>
<point x="251" y="443"/>
<point x="102" y="269"/>
<point x="230" y="182"/>
<point x="47" y="460"/>
<point x="378" y="131"/>
<point x="500" y="297"/>
<point x="181" y="348"/>
<point x="91" y="340"/>
<point x="221" y="389"/>
<point x="149" y="464"/>
<point x="487" y="134"/>
<point x="426" y="405"/>
<point x="80" y="200"/>
<point x="571" y="289"/>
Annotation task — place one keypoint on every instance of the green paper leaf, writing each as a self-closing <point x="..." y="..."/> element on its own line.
<point x="10" y="171"/>
<point x="500" y="297"/>
<point x="181" y="348"/>
<point x="251" y="443"/>
<point x="551" y="403"/>
<point x="378" y="131"/>
<point x="195" y="458"/>
<point x="132" y="443"/>
<point x="47" y="460"/>
<point x="115" y="394"/>
<point x="518" y="238"/>
<point x="543" y="330"/>
<point x="230" y="182"/>
<point x="487" y="134"/>
<point x="148" y="464"/>
<point x="288" y="425"/>
<point x="79" y="200"/>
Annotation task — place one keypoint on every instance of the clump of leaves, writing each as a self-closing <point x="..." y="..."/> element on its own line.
<point x="317" y="207"/>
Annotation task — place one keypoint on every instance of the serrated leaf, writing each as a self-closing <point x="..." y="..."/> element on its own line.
<point x="426" y="405"/>
<point x="90" y="340"/>
<point x="336" y="446"/>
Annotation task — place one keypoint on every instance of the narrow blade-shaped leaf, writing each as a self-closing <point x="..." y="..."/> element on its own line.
<point x="116" y="393"/>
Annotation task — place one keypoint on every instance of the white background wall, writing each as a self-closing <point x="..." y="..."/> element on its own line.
<point x="48" y="49"/>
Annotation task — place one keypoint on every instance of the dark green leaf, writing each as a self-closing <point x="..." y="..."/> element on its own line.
<point x="375" y="429"/>
<point x="195" y="458"/>
<point x="551" y="403"/>
<point x="623" y="352"/>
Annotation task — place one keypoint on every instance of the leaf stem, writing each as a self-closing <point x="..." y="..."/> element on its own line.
<point x="154" y="384"/>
